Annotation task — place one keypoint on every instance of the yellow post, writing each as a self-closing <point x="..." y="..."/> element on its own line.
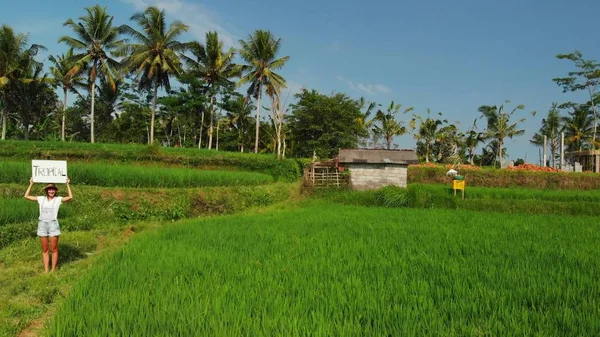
<point x="459" y="185"/>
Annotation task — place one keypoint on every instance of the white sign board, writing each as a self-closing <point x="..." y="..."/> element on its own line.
<point x="49" y="171"/>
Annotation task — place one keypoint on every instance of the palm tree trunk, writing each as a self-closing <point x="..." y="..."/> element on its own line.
<point x="427" y="152"/>
<point x="241" y="138"/>
<point x="471" y="156"/>
<point x="258" y="117"/>
<point x="4" y="115"/>
<point x="499" y="153"/>
<point x="153" y="112"/>
<point x="210" y="127"/>
<point x="62" y="130"/>
<point x="595" y="117"/>
<point x="217" y="146"/>
<point x="201" y="128"/>
<point x="93" y="94"/>
<point x="26" y="128"/>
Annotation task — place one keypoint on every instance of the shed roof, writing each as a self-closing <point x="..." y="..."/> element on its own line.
<point x="378" y="156"/>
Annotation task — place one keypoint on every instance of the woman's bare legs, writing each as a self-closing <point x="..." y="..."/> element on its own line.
<point x="54" y="247"/>
<point x="45" y="255"/>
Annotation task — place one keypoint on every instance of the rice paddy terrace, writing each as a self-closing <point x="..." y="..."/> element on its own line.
<point x="145" y="255"/>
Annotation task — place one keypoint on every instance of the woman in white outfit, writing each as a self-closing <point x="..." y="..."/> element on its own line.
<point x="48" y="227"/>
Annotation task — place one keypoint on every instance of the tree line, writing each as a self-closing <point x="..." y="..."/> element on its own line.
<point x="117" y="74"/>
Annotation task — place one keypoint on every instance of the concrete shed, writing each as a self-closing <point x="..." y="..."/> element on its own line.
<point x="375" y="168"/>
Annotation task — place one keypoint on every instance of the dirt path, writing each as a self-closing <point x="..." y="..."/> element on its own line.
<point x="37" y="326"/>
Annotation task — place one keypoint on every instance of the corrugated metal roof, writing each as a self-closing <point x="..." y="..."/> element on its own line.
<point x="378" y="156"/>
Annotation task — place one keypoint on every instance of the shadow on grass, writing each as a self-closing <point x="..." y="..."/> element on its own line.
<point x="69" y="253"/>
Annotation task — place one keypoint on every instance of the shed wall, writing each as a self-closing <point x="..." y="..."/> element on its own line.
<point x="373" y="176"/>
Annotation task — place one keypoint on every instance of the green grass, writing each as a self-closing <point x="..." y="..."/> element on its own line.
<point x="521" y="193"/>
<point x="490" y="177"/>
<point x="484" y="199"/>
<point x="139" y="176"/>
<point x="27" y="295"/>
<point x="92" y="207"/>
<point x="17" y="210"/>
<point x="284" y="170"/>
<point x="333" y="270"/>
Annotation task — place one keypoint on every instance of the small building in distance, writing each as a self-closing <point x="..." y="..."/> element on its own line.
<point x="375" y="168"/>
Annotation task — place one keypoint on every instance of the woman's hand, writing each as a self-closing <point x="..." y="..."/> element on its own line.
<point x="68" y="181"/>
<point x="31" y="181"/>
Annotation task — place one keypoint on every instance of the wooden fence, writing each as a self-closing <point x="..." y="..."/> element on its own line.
<point x="324" y="177"/>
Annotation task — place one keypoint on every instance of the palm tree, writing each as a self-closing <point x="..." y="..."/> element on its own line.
<point x="552" y="127"/>
<point x="260" y="52"/>
<point x="154" y="58"/>
<point x="472" y="140"/>
<point x="390" y="127"/>
<point x="32" y="99"/>
<point x="61" y="66"/>
<point x="578" y="126"/>
<point x="365" y="122"/>
<point x="429" y="130"/>
<point x="213" y="66"/>
<point x="15" y="59"/>
<point x="238" y="115"/>
<point x="450" y="142"/>
<point x="499" y="126"/>
<point x="96" y="38"/>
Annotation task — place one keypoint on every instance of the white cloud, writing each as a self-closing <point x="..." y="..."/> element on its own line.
<point x="370" y="89"/>
<point x="198" y="17"/>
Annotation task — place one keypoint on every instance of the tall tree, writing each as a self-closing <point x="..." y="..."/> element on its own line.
<point x="428" y="131"/>
<point x="156" y="55"/>
<point x="499" y="125"/>
<point x="449" y="147"/>
<point x="578" y="126"/>
<point x="278" y="115"/>
<point x="190" y="105"/>
<point x="60" y="69"/>
<point x="95" y="41"/>
<point x="31" y="100"/>
<point x="260" y="52"/>
<point x="389" y="126"/>
<point x="551" y="127"/>
<point x="323" y="124"/>
<point x="367" y="121"/>
<point x="587" y="77"/>
<point x="214" y="66"/>
<point x="472" y="139"/>
<point x="239" y="116"/>
<point x="16" y="58"/>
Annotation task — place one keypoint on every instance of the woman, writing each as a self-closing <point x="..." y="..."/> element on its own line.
<point x="48" y="227"/>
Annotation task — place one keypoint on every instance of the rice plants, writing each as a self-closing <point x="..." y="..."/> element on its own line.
<point x="102" y="174"/>
<point x="17" y="210"/>
<point x="333" y="270"/>
<point x="285" y="170"/>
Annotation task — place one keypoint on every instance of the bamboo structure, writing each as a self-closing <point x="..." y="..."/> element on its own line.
<point x="324" y="174"/>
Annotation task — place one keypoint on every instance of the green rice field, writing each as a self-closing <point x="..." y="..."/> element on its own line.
<point x="17" y="210"/>
<point x="335" y="270"/>
<point x="113" y="175"/>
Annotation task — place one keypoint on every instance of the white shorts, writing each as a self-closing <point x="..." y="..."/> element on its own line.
<point x="48" y="228"/>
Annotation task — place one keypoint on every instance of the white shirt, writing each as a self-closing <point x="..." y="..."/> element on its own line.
<point x="49" y="208"/>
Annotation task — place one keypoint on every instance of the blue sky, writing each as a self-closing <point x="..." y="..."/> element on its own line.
<point x="449" y="56"/>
